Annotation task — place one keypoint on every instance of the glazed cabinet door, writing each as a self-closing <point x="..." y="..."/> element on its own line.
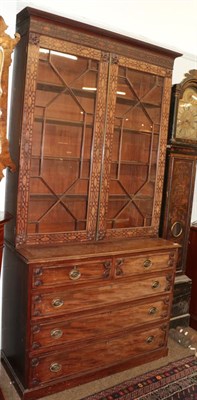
<point x="93" y="144"/>
<point x="64" y="118"/>
<point x="133" y="170"/>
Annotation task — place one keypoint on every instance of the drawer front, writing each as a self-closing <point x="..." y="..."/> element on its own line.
<point x="98" y="325"/>
<point x="70" y="301"/>
<point x="101" y="354"/>
<point x="128" y="266"/>
<point x="72" y="273"/>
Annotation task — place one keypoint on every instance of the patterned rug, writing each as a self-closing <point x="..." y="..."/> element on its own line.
<point x="175" y="381"/>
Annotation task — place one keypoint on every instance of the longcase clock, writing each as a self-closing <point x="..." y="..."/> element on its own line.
<point x="180" y="178"/>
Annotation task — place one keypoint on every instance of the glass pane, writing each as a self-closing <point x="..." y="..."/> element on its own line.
<point x="62" y="142"/>
<point x="135" y="149"/>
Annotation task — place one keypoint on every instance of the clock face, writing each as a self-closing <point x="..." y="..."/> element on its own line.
<point x="186" y="127"/>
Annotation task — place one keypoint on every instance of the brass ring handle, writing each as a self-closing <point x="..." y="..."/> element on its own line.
<point x="147" y="263"/>
<point x="153" y="310"/>
<point x="177" y="229"/>
<point x="74" y="274"/>
<point x="55" y="367"/>
<point x="155" y="284"/>
<point x="149" y="339"/>
<point x="56" y="333"/>
<point x="57" y="303"/>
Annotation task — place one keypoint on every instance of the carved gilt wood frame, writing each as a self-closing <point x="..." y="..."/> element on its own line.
<point x="7" y="45"/>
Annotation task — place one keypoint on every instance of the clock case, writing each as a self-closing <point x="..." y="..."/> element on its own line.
<point x="180" y="174"/>
<point x="178" y="90"/>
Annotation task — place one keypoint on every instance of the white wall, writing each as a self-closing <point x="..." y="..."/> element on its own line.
<point x="169" y="23"/>
<point x="158" y="21"/>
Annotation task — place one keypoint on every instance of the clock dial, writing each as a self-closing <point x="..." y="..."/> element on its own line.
<point x="186" y="127"/>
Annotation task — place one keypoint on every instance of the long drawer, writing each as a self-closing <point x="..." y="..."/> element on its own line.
<point x="97" y="355"/>
<point x="98" y="325"/>
<point x="78" y="299"/>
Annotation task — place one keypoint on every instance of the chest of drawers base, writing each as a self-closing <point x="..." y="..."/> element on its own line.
<point x="79" y="317"/>
<point x="64" y="384"/>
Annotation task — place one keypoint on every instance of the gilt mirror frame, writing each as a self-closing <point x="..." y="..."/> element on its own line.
<point x="7" y="45"/>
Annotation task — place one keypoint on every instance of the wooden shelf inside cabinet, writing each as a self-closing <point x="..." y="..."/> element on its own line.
<point x="59" y="158"/>
<point x="140" y="131"/>
<point x="62" y="122"/>
<point x="45" y="196"/>
<point x="127" y="100"/>
<point x="134" y="163"/>
<point x="47" y="87"/>
<point x="133" y="196"/>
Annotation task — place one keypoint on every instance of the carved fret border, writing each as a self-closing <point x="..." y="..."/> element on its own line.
<point x="26" y="138"/>
<point x="51" y="238"/>
<point x="132" y="233"/>
<point x="104" y="192"/>
<point x="162" y="151"/>
<point x="64" y="46"/>
<point x="115" y="46"/>
<point x="144" y="66"/>
<point x="97" y="149"/>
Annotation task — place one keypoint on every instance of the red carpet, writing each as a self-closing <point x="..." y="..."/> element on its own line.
<point x="175" y="381"/>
